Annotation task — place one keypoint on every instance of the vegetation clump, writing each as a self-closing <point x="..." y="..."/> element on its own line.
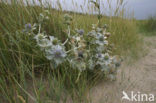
<point x="83" y="51"/>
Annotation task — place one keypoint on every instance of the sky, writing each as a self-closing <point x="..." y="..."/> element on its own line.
<point x="141" y="9"/>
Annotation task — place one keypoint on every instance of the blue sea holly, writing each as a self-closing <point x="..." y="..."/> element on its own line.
<point x="80" y="31"/>
<point x="101" y="40"/>
<point x="107" y="59"/>
<point x="40" y="36"/>
<point x="28" y="27"/>
<point x="56" y="53"/>
<point x="99" y="56"/>
<point x="43" y="41"/>
<point x="53" y="40"/>
<point x="92" y="33"/>
<point x="81" y="51"/>
<point x="105" y="68"/>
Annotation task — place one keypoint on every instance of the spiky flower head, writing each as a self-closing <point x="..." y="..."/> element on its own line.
<point x="28" y="26"/>
<point x="56" y="53"/>
<point x="80" y="31"/>
<point x="67" y="19"/>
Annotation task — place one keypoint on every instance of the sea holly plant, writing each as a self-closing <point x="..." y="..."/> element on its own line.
<point x="83" y="51"/>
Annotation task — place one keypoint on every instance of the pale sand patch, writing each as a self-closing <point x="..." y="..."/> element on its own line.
<point x="138" y="77"/>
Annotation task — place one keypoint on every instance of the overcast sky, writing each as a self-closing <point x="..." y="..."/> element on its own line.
<point x="142" y="8"/>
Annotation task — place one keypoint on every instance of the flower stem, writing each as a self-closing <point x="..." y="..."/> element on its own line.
<point x="78" y="77"/>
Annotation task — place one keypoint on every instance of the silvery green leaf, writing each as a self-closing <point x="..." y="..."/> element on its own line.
<point x="51" y="38"/>
<point x="91" y="64"/>
<point x="111" y="77"/>
<point x="105" y="68"/>
<point x="40" y="36"/>
<point x="99" y="29"/>
<point x="43" y="43"/>
<point x="92" y="33"/>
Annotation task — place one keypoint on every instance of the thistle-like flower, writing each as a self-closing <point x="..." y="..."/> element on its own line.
<point x="106" y="58"/>
<point x="101" y="40"/>
<point x="40" y="36"/>
<point x="43" y="41"/>
<point x="80" y="31"/>
<point x="103" y="59"/>
<point x="28" y="27"/>
<point x="56" y="53"/>
<point x="92" y="33"/>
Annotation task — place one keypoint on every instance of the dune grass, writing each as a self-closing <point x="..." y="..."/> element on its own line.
<point x="26" y="75"/>
<point x="147" y="27"/>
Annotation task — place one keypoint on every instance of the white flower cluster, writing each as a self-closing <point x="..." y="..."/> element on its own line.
<point x="93" y="52"/>
<point x="54" y="50"/>
<point x="86" y="51"/>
